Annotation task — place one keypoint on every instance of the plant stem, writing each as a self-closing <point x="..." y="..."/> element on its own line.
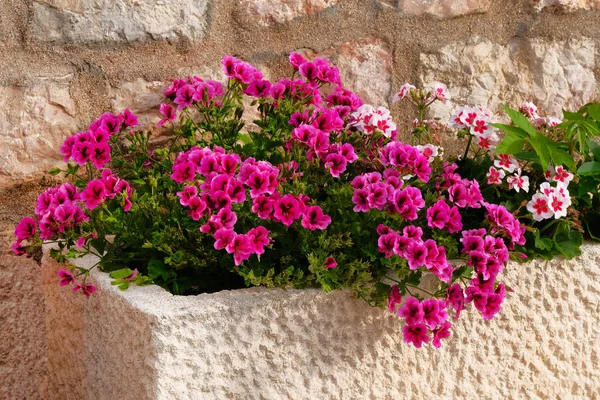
<point x="464" y="157"/>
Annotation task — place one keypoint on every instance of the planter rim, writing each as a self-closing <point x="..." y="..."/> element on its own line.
<point x="154" y="300"/>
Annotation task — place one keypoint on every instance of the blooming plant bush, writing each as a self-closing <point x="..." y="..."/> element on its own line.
<point x="316" y="191"/>
<point x="544" y="171"/>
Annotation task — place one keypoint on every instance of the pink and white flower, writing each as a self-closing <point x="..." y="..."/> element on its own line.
<point x="507" y="163"/>
<point x="530" y="110"/>
<point x="518" y="182"/>
<point x="440" y="92"/>
<point x="540" y="207"/>
<point x="495" y="176"/>
<point x="404" y="91"/>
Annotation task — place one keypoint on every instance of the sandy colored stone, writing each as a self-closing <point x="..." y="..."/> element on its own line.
<point x="23" y="342"/>
<point x="365" y="67"/>
<point x="35" y="118"/>
<point x="87" y="21"/>
<point x="274" y="12"/>
<point x="555" y="75"/>
<point x="565" y="5"/>
<point x="443" y="8"/>
<point x="142" y="98"/>
<point x="306" y="344"/>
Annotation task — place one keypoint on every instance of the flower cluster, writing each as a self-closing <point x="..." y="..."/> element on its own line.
<point x="371" y="192"/>
<point x="93" y="145"/>
<point x="57" y="210"/>
<point x="504" y="165"/>
<point x="335" y="156"/>
<point x="476" y="121"/>
<point x="406" y="159"/>
<point x="225" y="180"/>
<point x="552" y="201"/>
<point x="437" y="91"/>
<point x="367" y="120"/>
<point x="418" y="252"/>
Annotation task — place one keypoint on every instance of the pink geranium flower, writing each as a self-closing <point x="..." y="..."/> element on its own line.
<point x="330" y="263"/>
<point x="169" y="112"/>
<point x="416" y="254"/>
<point x="241" y="247"/>
<point x="223" y="237"/>
<point x="315" y="219"/>
<point x="259" y="238"/>
<point x="94" y="194"/>
<point x="66" y="277"/>
<point x="287" y="210"/>
<point x="25" y="229"/>
<point x="263" y="206"/>
<point x="87" y="290"/>
<point x="456" y="298"/>
<point x="415" y="334"/>
<point x="441" y="333"/>
<point x="394" y="299"/>
<point x="129" y="119"/>
<point x="412" y="311"/>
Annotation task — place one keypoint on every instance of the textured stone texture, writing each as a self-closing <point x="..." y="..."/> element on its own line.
<point x="565" y="5"/>
<point x="305" y="344"/>
<point x="365" y="67"/>
<point x="23" y="343"/>
<point x="443" y="8"/>
<point x="141" y="97"/>
<point x="35" y="118"/>
<point x="85" y="21"/>
<point x="552" y="74"/>
<point x="274" y="12"/>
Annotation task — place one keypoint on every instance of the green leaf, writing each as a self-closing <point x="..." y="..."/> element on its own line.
<point x="567" y="241"/>
<point x="99" y="244"/>
<point x="540" y="148"/>
<point x="593" y="110"/>
<point x="511" y="129"/>
<point x="520" y="120"/>
<point x="511" y="144"/>
<point x="571" y="116"/>
<point x="157" y="269"/>
<point x="527" y="156"/>
<point x="594" y="148"/>
<point x="561" y="157"/>
<point x="587" y="184"/>
<point x="55" y="171"/>
<point x="589" y="168"/>
<point x="542" y="243"/>
<point x="121" y="273"/>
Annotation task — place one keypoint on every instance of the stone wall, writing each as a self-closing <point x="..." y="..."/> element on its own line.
<point x="64" y="62"/>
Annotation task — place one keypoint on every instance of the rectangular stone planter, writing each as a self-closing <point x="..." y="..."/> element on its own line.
<point x="145" y="343"/>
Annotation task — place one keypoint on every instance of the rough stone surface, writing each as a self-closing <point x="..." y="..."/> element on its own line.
<point x="305" y="344"/>
<point x="23" y="343"/>
<point x="365" y="67"/>
<point x="443" y="8"/>
<point x="274" y="12"/>
<point x="85" y="21"/>
<point x="565" y="5"/>
<point x="35" y="118"/>
<point x="142" y="98"/>
<point x="555" y="75"/>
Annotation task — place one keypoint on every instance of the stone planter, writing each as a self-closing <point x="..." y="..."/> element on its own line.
<point x="256" y="343"/>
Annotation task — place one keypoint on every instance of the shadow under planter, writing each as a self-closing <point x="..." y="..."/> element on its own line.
<point x="145" y="343"/>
